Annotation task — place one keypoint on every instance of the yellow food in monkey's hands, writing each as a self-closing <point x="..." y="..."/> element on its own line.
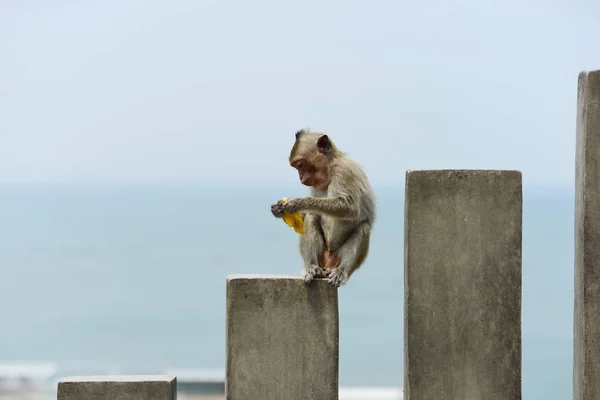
<point x="294" y="220"/>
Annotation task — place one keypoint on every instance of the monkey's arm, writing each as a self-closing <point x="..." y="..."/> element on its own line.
<point x="341" y="206"/>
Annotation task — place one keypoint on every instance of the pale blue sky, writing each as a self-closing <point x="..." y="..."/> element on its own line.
<point x="214" y="90"/>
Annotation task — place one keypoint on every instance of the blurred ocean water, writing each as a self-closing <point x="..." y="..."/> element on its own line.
<point x="131" y="279"/>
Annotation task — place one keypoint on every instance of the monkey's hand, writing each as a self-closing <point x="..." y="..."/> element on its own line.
<point x="311" y="272"/>
<point x="292" y="206"/>
<point x="338" y="277"/>
<point x="277" y="210"/>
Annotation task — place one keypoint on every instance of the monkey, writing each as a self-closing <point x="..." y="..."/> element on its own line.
<point x="339" y="213"/>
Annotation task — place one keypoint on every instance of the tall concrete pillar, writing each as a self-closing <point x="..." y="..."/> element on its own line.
<point x="282" y="339"/>
<point x="118" y="387"/>
<point x="586" y="355"/>
<point x="462" y="269"/>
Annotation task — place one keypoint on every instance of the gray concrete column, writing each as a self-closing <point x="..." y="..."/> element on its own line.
<point x="282" y="339"/>
<point x="462" y="270"/>
<point x="143" y="387"/>
<point x="586" y="354"/>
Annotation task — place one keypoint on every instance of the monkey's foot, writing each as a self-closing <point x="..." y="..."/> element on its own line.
<point x="338" y="277"/>
<point x="311" y="272"/>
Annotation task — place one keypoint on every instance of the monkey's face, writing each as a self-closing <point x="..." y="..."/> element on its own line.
<point x="311" y="157"/>
<point x="311" y="173"/>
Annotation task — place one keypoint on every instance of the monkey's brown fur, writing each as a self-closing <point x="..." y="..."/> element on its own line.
<point x="339" y="214"/>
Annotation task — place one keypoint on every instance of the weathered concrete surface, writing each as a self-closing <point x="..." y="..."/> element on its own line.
<point x="282" y="339"/>
<point x="586" y="355"/>
<point x="462" y="269"/>
<point x="136" y="387"/>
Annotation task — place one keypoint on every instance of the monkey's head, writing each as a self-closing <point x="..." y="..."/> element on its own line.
<point x="313" y="155"/>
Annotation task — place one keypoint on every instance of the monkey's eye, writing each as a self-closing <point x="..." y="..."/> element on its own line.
<point x="299" y="165"/>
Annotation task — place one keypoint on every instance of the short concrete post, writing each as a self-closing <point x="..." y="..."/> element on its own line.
<point x="118" y="387"/>
<point x="586" y="354"/>
<point x="462" y="269"/>
<point x="282" y="339"/>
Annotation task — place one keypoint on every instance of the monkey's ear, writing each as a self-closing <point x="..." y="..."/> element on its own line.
<point x="324" y="144"/>
<point x="298" y="134"/>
